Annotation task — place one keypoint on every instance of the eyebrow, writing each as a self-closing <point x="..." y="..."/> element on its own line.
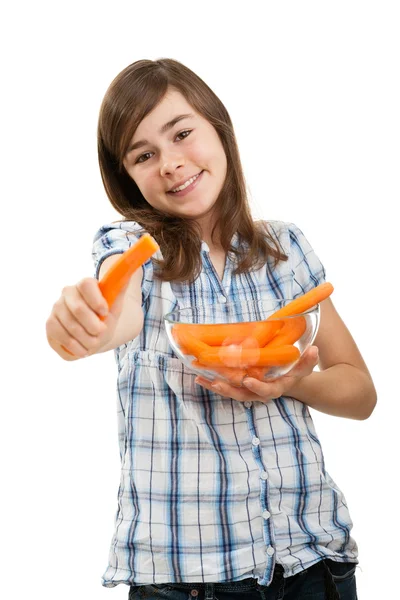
<point x="163" y="129"/>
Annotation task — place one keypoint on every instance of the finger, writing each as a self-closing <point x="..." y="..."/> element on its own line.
<point x="75" y="329"/>
<point x="223" y="388"/>
<point x="90" y="292"/>
<point x="266" y="391"/>
<point x="81" y="312"/>
<point x="306" y="364"/>
<point x="56" y="332"/>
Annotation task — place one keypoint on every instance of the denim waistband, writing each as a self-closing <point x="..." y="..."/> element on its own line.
<point x="244" y="585"/>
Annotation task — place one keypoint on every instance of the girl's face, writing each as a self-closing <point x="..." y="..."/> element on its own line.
<point x="177" y="159"/>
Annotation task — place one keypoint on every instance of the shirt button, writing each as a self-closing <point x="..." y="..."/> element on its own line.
<point x="248" y="404"/>
<point x="255" y="441"/>
<point x="266" y="514"/>
<point x="264" y="475"/>
<point x="270" y="551"/>
<point x="194" y="593"/>
<point x="222" y="299"/>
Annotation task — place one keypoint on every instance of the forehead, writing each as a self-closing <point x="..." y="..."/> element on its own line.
<point x="172" y="104"/>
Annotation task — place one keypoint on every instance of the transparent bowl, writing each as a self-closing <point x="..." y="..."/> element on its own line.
<point x="233" y="340"/>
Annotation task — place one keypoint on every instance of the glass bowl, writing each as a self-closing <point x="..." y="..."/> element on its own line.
<point x="233" y="340"/>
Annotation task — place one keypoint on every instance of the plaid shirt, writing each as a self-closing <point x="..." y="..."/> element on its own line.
<point x="213" y="489"/>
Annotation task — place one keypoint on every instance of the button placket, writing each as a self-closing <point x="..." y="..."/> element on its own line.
<point x="265" y="513"/>
<point x="221" y="286"/>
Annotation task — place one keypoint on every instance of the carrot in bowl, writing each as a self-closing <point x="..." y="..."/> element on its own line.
<point x="188" y="343"/>
<point x="305" y="302"/>
<point x="234" y="376"/>
<point x="221" y="333"/>
<point x="290" y="333"/>
<point x="235" y="356"/>
<point x="295" y="307"/>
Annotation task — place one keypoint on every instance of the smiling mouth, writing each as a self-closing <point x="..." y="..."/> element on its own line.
<point x="186" y="184"/>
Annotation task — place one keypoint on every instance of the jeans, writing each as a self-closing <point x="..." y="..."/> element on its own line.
<point x="326" y="580"/>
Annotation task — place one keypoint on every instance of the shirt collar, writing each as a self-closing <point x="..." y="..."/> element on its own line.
<point x="234" y="243"/>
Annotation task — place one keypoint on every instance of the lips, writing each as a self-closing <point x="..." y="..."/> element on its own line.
<point x="183" y="181"/>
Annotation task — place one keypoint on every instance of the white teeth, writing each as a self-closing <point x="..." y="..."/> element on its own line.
<point x="185" y="185"/>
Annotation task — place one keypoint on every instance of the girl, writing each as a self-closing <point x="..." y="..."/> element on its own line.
<point x="223" y="492"/>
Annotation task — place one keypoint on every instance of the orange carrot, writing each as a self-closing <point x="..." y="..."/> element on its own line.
<point x="257" y="372"/>
<point x="188" y="343"/>
<point x="235" y="356"/>
<point x="223" y="333"/>
<point x="305" y="302"/>
<point x="292" y="331"/>
<point x="234" y="376"/>
<point x="295" y="307"/>
<point x="265" y="331"/>
<point x="120" y="272"/>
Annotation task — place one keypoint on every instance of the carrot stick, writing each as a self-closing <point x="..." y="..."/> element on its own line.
<point x="292" y="331"/>
<point x="234" y="376"/>
<point x="221" y="333"/>
<point x="235" y="356"/>
<point x="265" y="331"/>
<point x="305" y="302"/>
<point x="295" y="307"/>
<point x="188" y="343"/>
<point x="116" y="278"/>
<point x="257" y="372"/>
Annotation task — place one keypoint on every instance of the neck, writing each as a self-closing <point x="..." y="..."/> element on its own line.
<point x="206" y="229"/>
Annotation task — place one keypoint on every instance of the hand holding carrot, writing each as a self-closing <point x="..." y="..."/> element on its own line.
<point x="85" y="317"/>
<point x="76" y="320"/>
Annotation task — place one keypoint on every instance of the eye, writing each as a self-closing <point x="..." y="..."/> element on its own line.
<point x="142" y="158"/>
<point x="185" y="133"/>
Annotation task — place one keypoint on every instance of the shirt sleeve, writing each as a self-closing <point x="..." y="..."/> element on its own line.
<point x="307" y="269"/>
<point x="116" y="238"/>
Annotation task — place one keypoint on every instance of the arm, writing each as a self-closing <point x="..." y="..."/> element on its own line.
<point x="128" y="307"/>
<point x="343" y="387"/>
<point x="75" y="324"/>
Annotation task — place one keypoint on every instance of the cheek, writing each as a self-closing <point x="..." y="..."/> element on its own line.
<point x="145" y="182"/>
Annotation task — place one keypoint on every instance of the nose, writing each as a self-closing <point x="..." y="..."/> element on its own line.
<point x="170" y="163"/>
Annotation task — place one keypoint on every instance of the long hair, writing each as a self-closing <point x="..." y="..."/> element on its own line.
<point x="132" y="95"/>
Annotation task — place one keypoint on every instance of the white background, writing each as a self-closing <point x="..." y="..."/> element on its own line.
<point x="313" y="91"/>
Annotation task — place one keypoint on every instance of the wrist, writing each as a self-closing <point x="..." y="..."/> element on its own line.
<point x="302" y="387"/>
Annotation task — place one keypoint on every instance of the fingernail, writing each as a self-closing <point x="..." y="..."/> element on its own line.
<point x="216" y="387"/>
<point x="247" y="383"/>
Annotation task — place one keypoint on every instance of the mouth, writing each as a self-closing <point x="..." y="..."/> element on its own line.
<point x="186" y="187"/>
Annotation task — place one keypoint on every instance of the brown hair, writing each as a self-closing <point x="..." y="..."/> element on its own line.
<point x="132" y="95"/>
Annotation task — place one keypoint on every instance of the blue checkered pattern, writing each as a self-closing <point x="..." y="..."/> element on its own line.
<point x="212" y="489"/>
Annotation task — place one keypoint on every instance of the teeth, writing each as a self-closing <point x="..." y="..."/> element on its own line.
<point x="185" y="185"/>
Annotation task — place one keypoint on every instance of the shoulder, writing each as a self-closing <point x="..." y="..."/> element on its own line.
<point x="118" y="229"/>
<point x="114" y="238"/>
<point x="284" y="232"/>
